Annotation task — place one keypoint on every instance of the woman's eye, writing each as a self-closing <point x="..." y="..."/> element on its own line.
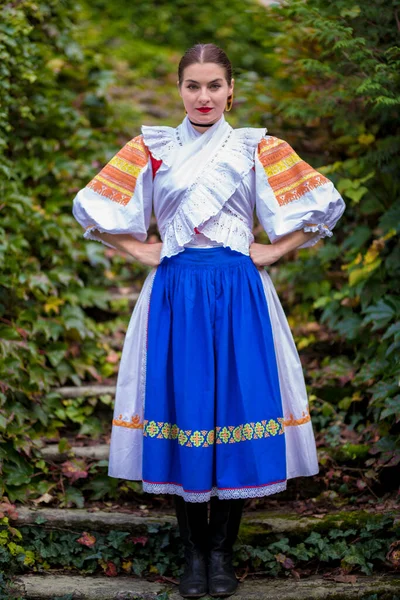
<point x="214" y="86"/>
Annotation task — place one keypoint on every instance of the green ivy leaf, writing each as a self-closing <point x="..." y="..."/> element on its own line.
<point x="392" y="408"/>
<point x="8" y="333"/>
<point x="74" y="496"/>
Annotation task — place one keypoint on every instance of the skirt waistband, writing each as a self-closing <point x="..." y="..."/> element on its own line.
<point x="207" y="257"/>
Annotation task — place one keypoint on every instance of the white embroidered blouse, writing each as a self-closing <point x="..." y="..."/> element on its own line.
<point x="207" y="185"/>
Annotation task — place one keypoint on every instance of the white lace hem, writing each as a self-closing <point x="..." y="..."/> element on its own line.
<point x="228" y="229"/>
<point x="90" y="235"/>
<point x="224" y="494"/>
<point x="323" y="231"/>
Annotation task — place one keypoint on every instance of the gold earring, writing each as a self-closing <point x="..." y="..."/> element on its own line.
<point x="229" y="103"/>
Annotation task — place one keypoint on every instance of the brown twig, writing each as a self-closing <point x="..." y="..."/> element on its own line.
<point x="168" y="579"/>
<point x="396" y="16"/>
<point x="372" y="492"/>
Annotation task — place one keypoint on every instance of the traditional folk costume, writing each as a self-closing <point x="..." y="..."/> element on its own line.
<point x="211" y="399"/>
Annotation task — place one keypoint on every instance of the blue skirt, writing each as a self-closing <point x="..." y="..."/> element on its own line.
<point x="213" y="418"/>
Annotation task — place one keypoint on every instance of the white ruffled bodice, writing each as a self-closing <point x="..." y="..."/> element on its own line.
<point x="209" y="184"/>
<point x="187" y="199"/>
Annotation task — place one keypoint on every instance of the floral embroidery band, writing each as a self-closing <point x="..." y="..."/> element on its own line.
<point x="221" y="435"/>
<point x="290" y="177"/>
<point x="117" y="180"/>
<point x="224" y="434"/>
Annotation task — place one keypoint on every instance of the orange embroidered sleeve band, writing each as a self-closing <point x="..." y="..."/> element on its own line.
<point x="292" y="195"/>
<point x="119" y="198"/>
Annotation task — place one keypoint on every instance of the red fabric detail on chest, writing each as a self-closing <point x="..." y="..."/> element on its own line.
<point x="156" y="164"/>
<point x="196" y="230"/>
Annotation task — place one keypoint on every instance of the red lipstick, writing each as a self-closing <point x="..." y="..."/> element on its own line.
<point x="204" y="109"/>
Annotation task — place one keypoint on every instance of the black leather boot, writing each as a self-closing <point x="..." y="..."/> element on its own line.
<point x="225" y="516"/>
<point x="193" y="529"/>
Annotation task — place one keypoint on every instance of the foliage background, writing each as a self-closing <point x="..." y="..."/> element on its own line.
<point x="77" y="81"/>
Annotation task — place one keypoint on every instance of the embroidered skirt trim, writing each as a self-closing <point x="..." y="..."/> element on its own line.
<point x="223" y="494"/>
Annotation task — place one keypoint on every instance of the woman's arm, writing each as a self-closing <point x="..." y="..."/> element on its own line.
<point x="148" y="254"/>
<point x="264" y="255"/>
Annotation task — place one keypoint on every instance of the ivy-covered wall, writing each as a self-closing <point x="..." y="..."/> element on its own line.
<point x="56" y="129"/>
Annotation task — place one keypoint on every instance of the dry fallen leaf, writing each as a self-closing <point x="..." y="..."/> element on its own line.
<point x="295" y="574"/>
<point x="87" y="540"/>
<point x="8" y="509"/>
<point x="111" y="569"/>
<point x="46" y="498"/>
<point x="127" y="566"/>
<point x="74" y="469"/>
<point x="140" y="540"/>
<point x="393" y="555"/>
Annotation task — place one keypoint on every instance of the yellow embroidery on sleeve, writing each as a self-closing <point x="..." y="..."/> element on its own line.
<point x="117" y="180"/>
<point x="289" y="176"/>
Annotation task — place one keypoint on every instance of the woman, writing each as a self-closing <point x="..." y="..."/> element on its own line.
<point x="211" y="401"/>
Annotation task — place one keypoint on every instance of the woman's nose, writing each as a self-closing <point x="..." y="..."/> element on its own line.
<point x="204" y="95"/>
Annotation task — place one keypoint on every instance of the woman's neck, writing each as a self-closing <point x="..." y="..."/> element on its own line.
<point x="200" y="128"/>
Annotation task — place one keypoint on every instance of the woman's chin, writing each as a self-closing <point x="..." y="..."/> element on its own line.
<point x="206" y="119"/>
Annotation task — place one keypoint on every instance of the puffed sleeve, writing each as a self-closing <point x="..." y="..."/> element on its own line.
<point x="291" y="195"/>
<point x="119" y="198"/>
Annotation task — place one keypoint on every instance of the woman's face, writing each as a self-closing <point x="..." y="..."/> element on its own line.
<point x="204" y="92"/>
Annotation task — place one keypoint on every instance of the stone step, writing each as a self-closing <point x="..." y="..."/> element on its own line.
<point x="123" y="294"/>
<point x="254" y="527"/>
<point x="85" y="391"/>
<point x="96" y="452"/>
<point x="126" y="293"/>
<point x="49" y="587"/>
<point x="82" y="519"/>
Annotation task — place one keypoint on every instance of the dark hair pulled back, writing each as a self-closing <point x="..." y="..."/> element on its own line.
<point x="205" y="53"/>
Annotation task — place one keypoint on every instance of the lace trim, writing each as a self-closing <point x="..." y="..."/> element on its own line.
<point x="178" y="137"/>
<point x="161" y="141"/>
<point x="208" y="194"/>
<point x="228" y="229"/>
<point x="89" y="234"/>
<point x="322" y="229"/>
<point x="223" y="494"/>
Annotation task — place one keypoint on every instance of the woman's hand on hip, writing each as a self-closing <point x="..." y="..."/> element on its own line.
<point x="263" y="255"/>
<point x="149" y="254"/>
